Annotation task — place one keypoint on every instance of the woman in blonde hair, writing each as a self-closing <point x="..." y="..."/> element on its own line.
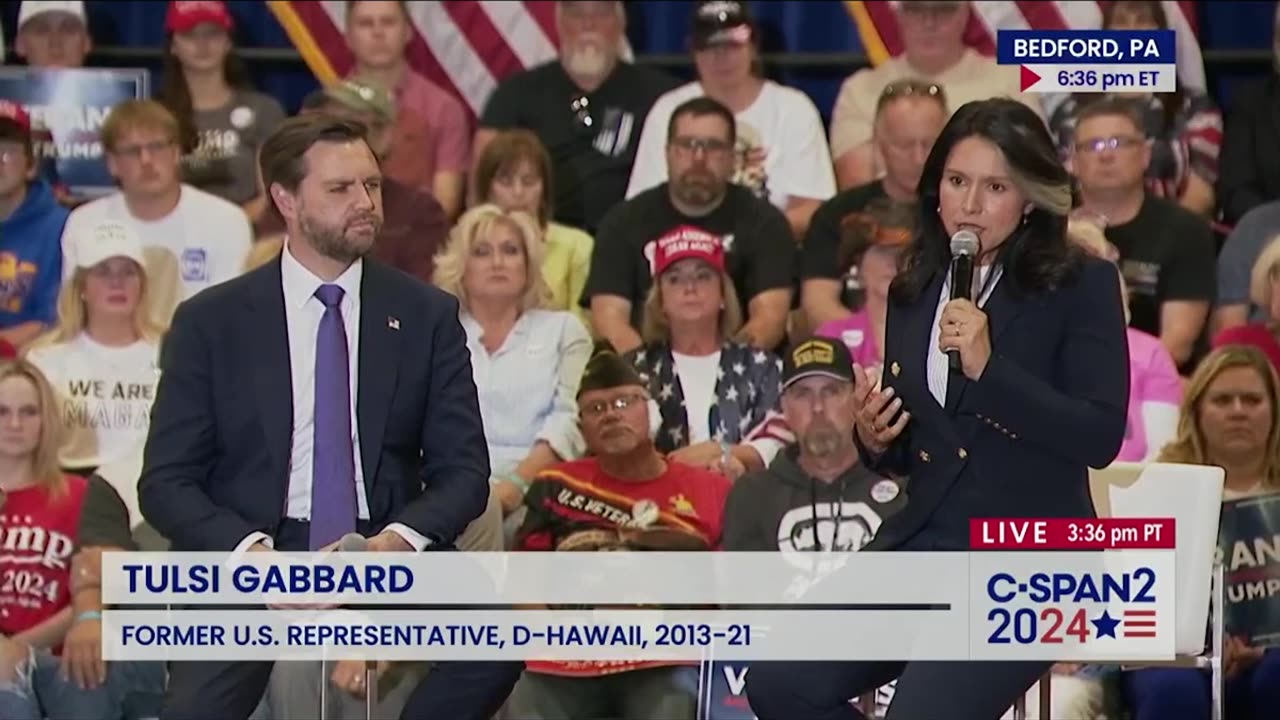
<point x="1230" y="418"/>
<point x="527" y="360"/>
<point x="102" y="356"/>
<point x="39" y="501"/>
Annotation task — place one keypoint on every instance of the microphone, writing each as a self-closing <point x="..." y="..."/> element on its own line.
<point x="352" y="542"/>
<point x="964" y="248"/>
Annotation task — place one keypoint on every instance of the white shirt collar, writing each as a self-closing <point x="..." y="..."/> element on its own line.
<point x="300" y="284"/>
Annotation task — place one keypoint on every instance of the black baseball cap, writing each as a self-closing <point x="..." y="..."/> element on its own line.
<point x="817" y="356"/>
<point x="721" y="22"/>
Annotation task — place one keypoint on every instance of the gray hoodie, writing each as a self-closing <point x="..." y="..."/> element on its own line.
<point x="783" y="508"/>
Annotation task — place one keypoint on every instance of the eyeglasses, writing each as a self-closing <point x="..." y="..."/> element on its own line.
<point x="691" y="146"/>
<point x="580" y="106"/>
<point x="620" y="403"/>
<point x="1097" y="145"/>
<point x="134" y="152"/>
<point x="910" y="88"/>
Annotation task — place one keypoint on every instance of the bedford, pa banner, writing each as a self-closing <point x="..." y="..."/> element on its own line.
<point x="67" y="108"/>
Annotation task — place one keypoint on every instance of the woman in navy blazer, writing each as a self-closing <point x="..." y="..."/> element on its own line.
<point x="1041" y="395"/>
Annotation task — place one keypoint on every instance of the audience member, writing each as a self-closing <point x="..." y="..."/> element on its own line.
<point x="514" y="172"/>
<point x="102" y="357"/>
<point x="635" y="499"/>
<point x="35" y="603"/>
<point x="431" y="131"/>
<point x="909" y="116"/>
<point x="1250" y="172"/>
<point x="587" y="107"/>
<point x="222" y="121"/>
<point x="206" y="236"/>
<point x="934" y="51"/>
<point x="1166" y="252"/>
<point x="759" y="252"/>
<point x="1230" y="418"/>
<point x="109" y="522"/>
<point x="1183" y="127"/>
<point x="781" y="152"/>
<point x="1264" y="290"/>
<point x="31" y="222"/>
<point x="414" y="225"/>
<point x="526" y="360"/>
<point x="53" y="34"/>
<point x="1155" y="389"/>
<point x="871" y="243"/>
<point x="817" y="496"/>
<point x="711" y="389"/>
<point x="1236" y="261"/>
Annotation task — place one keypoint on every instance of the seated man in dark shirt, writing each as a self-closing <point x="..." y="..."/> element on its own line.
<point x="586" y="106"/>
<point x="1166" y="252"/>
<point x="414" y="224"/>
<point x="760" y="253"/>
<point x="909" y="116"/>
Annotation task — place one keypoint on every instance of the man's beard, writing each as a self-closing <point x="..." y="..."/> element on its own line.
<point x="699" y="188"/>
<point x="336" y="241"/>
<point x="821" y="439"/>
<point x="587" y="59"/>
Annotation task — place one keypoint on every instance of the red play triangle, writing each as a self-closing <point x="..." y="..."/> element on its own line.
<point x="1029" y="77"/>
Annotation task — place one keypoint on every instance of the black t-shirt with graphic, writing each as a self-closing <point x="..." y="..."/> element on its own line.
<point x="820" y="256"/>
<point x="759" y="252"/>
<point x="1166" y="253"/>
<point x="592" y="144"/>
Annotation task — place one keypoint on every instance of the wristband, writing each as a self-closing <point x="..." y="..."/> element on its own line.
<point x="516" y="480"/>
<point x="89" y="615"/>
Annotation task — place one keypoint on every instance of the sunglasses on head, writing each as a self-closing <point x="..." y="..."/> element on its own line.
<point x="910" y="88"/>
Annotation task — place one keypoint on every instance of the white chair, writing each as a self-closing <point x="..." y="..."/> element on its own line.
<point x="1192" y="496"/>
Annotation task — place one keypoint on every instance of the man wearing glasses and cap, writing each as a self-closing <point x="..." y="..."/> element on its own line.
<point x="781" y="152"/>
<point x="624" y="495"/>
<point x="933" y="50"/>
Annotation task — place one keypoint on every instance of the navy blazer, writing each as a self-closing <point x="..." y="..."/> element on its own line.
<point x="216" y="464"/>
<point x="1051" y="403"/>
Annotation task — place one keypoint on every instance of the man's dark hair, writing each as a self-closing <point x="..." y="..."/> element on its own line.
<point x="1109" y="105"/>
<point x="699" y="107"/>
<point x="281" y="158"/>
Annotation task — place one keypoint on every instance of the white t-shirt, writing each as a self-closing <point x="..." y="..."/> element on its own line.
<point x="697" y="375"/>
<point x="783" y="121"/>
<point x="207" y="236"/>
<point x="106" y="395"/>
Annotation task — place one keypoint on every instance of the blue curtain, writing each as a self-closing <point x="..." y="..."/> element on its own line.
<point x="659" y="26"/>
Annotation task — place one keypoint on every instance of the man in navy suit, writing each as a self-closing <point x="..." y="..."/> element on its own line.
<point x="320" y="395"/>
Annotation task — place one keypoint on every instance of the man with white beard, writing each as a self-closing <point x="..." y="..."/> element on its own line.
<point x="587" y="107"/>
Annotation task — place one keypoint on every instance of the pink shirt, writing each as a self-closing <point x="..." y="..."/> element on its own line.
<point x="1153" y="378"/>
<point x="856" y="333"/>
<point x="431" y="134"/>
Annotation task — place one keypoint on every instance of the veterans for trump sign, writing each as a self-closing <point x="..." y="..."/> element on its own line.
<point x="67" y="109"/>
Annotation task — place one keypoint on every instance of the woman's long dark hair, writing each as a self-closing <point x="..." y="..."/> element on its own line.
<point x="176" y="96"/>
<point x="1037" y="256"/>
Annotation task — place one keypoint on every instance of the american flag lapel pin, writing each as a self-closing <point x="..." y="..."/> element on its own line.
<point x="393" y="322"/>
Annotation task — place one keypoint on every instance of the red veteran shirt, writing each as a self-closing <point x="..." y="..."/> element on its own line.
<point x="570" y="503"/>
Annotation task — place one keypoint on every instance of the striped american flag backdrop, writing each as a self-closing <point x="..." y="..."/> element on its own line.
<point x="878" y="28"/>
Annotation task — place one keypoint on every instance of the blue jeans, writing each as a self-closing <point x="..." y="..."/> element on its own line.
<point x="133" y="691"/>
<point x="1184" y="693"/>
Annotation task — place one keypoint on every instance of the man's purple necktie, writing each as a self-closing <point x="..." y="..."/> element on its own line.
<point x="333" y="472"/>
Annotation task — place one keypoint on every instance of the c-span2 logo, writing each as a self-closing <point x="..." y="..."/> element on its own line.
<point x="1052" y="608"/>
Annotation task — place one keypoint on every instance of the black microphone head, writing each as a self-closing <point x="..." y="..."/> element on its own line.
<point x="964" y="242"/>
